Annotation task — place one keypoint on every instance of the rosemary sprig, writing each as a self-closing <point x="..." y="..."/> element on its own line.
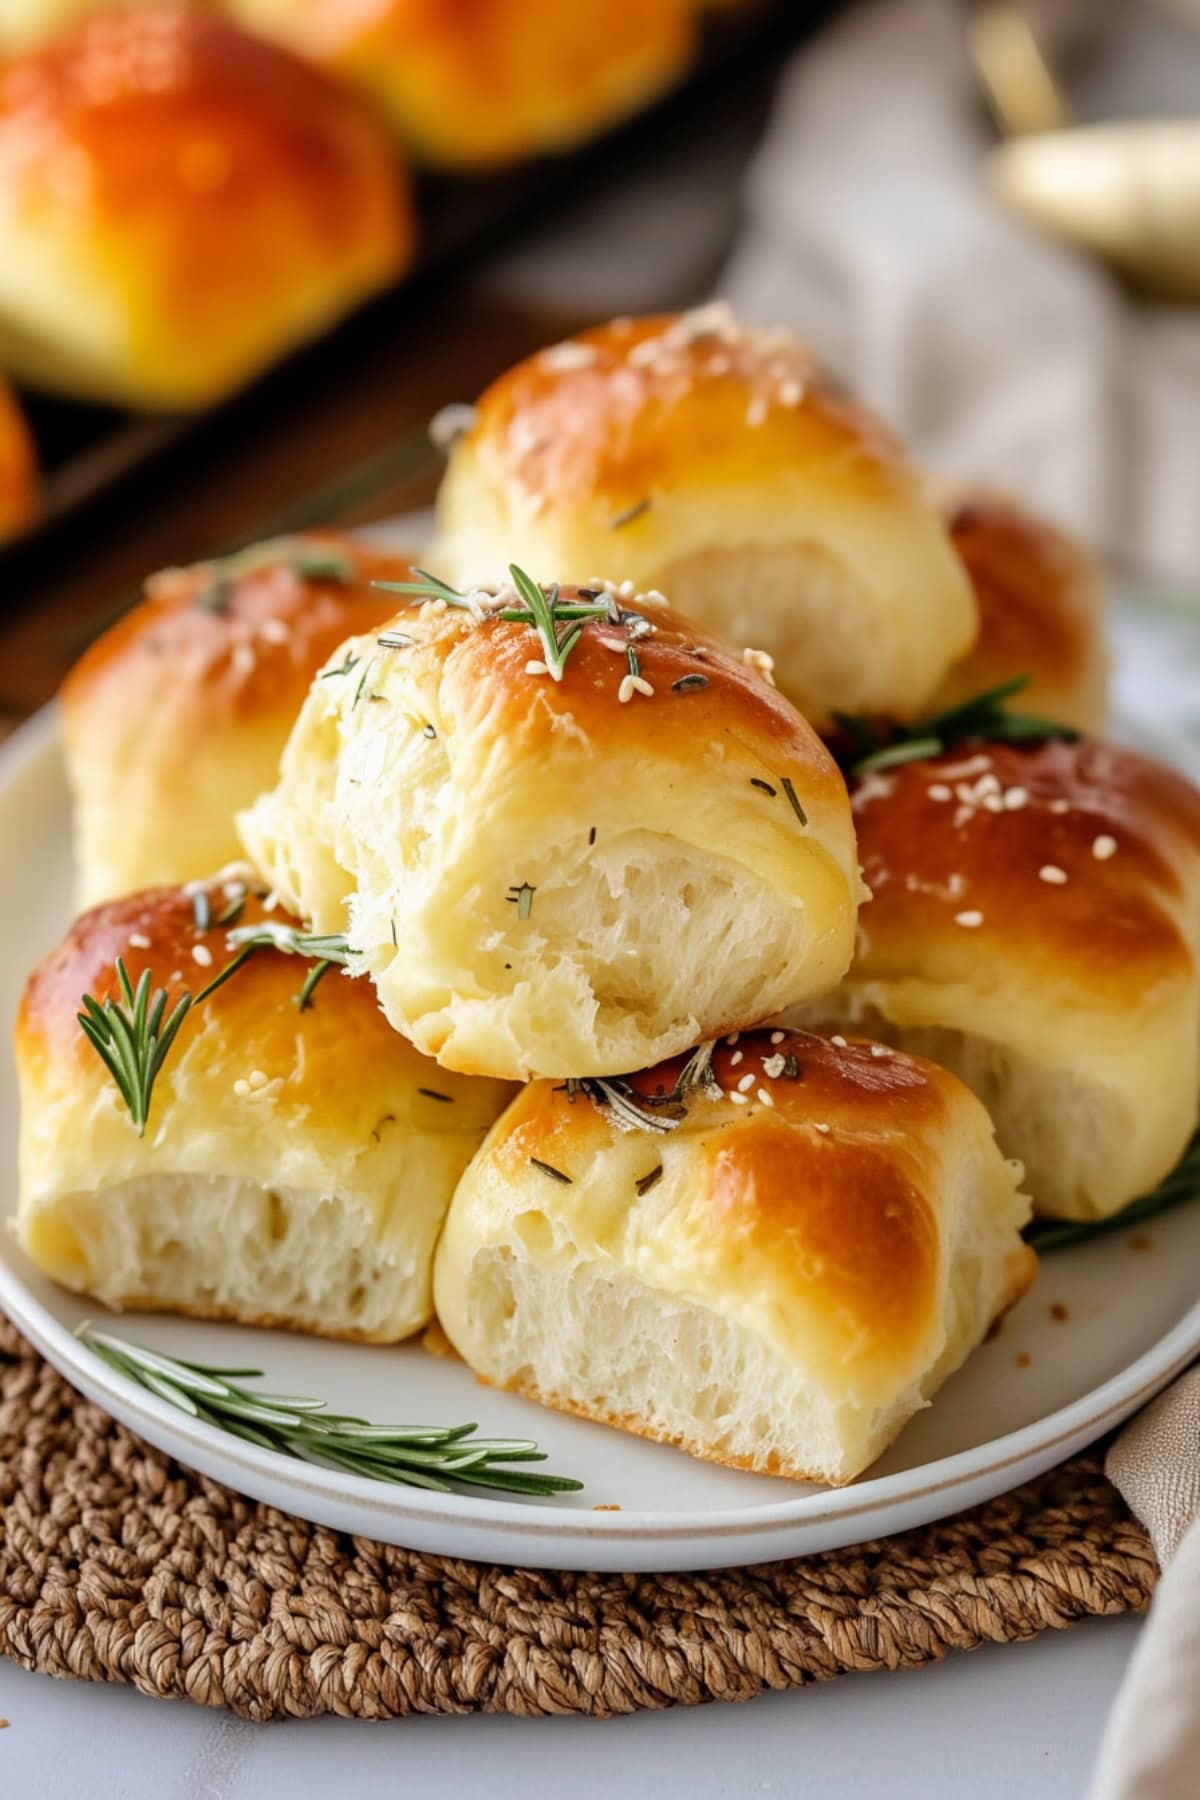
<point x="312" y="562"/>
<point x="874" y="744"/>
<point x="652" y="1112"/>
<point x="1183" y="1183"/>
<point x="545" y="610"/>
<point x="442" y="1458"/>
<point x="132" y="1041"/>
<point x="273" y="934"/>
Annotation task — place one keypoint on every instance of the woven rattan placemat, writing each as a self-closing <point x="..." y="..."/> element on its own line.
<point x="116" y="1564"/>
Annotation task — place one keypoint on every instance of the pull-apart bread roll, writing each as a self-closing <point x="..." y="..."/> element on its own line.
<point x="297" y="1162"/>
<point x="175" y="719"/>
<point x="1034" y="926"/>
<point x="18" y="467"/>
<point x="180" y="203"/>
<point x="554" y="876"/>
<point x="489" y="81"/>
<point x="777" y="1283"/>
<point x="1041" y="609"/>
<point x="718" y="464"/>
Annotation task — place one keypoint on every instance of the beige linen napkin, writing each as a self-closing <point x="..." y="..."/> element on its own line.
<point x="1151" y="1750"/>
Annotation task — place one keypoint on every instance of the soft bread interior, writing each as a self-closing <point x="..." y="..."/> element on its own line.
<point x="224" y="1248"/>
<point x="591" y="1338"/>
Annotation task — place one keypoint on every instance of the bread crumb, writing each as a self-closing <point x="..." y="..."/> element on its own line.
<point x="434" y="1339"/>
<point x="1023" y="1359"/>
<point x="607" y="1506"/>
<point x="1059" y="1313"/>
<point x="1141" y="1242"/>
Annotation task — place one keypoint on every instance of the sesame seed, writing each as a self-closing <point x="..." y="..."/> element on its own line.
<point x="138" y="940"/>
<point x="1102" y="849"/>
<point x="626" y="589"/>
<point x="175" y="976"/>
<point x="536" y="667"/>
<point x="257" y="1079"/>
<point x="738" y="1099"/>
<point x="880" y="1050"/>
<point x="756" y="412"/>
<point x="241" y="1088"/>
<point x="631" y="685"/>
<point x="1060" y="806"/>
<point x="765" y="1097"/>
<point x="562" y="357"/>
<point x="242" y="658"/>
<point x="203" y="955"/>
<point x="993" y="803"/>
<point x="839" y="1040"/>
<point x="774" y="1066"/>
<point x="733" y="1038"/>
<point x="1015" y="798"/>
<point x="969" y="919"/>
<point x="1051" y="873"/>
<point x="789" y="393"/>
<point x="735" y="1059"/>
<point x="612" y="644"/>
<point x="746" y="1082"/>
<point x="273" y="631"/>
<point x="777" y="1037"/>
<point x="822" y="1128"/>
<point x="939" y="791"/>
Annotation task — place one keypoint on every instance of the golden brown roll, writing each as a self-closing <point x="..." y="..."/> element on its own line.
<point x="548" y="877"/>
<point x="175" y="719"/>
<point x="1041" y="609"/>
<point x="180" y="203"/>
<point x="26" y="22"/>
<point x="777" y="1283"/>
<point x="18" y="467"/>
<point x="1034" y="927"/>
<point x="718" y="464"/>
<point x="296" y="1164"/>
<point x="478" y="82"/>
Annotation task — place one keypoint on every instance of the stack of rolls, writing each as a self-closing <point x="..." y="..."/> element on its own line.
<point x="704" y="1070"/>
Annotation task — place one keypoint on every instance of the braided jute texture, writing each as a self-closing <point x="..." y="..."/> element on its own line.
<point x="116" y="1564"/>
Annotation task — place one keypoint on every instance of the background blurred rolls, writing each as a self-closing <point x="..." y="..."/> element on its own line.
<point x="778" y="1283"/>
<point x="719" y="464"/>
<point x="1035" y="927"/>
<point x="471" y="83"/>
<point x="175" y="719"/>
<point x="1041" y="609"/>
<point x="18" y="467"/>
<point x="180" y="203"/>
<point x="562" y="877"/>
<point x="296" y="1166"/>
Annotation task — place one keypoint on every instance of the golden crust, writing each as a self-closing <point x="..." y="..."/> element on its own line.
<point x="640" y="406"/>
<point x="212" y="199"/>
<point x="18" y="467"/>
<point x="1041" y="611"/>
<point x="485" y="681"/>
<point x="222" y="646"/>
<point x="474" y="82"/>
<point x="973" y="832"/>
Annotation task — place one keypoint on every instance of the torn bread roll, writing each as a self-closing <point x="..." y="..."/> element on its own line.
<point x="297" y="1163"/>
<point x="1041" y="609"/>
<point x="554" y="876"/>
<point x="778" y="1282"/>
<point x="1034" y="926"/>
<point x="175" y="718"/>
<point x="719" y="464"/>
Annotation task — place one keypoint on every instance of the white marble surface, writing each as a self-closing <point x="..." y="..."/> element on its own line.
<point x="1015" y="1719"/>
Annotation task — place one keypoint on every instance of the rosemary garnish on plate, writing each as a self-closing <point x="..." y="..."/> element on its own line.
<point x="443" y="1458"/>
<point x="1183" y="1183"/>
<point x="874" y="744"/>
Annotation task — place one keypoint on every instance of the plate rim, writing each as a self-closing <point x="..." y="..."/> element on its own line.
<point x="1080" y="1421"/>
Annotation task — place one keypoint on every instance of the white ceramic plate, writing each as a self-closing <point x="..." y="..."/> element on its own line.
<point x="1043" y="1387"/>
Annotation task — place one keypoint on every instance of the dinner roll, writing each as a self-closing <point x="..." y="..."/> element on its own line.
<point x="25" y="22"/>
<point x="720" y="465"/>
<point x="180" y="203"/>
<point x="18" y="467"/>
<point x="297" y="1163"/>
<point x="491" y="80"/>
<point x="176" y="717"/>
<point x="777" y="1283"/>
<point x="1034" y="927"/>
<point x="551" y="877"/>
<point x="1041" y="609"/>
